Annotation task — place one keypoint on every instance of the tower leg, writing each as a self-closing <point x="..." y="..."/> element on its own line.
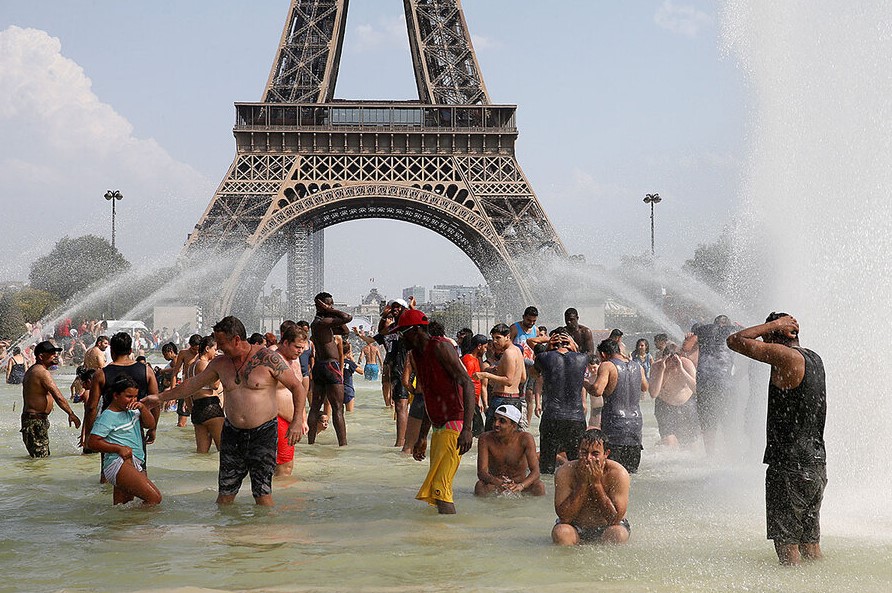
<point x="305" y="270"/>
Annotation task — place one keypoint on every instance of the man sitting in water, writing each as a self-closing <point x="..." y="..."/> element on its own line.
<point x="591" y="495"/>
<point x="506" y="457"/>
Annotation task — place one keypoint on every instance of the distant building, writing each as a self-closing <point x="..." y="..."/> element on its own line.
<point x="419" y="292"/>
<point x="445" y="293"/>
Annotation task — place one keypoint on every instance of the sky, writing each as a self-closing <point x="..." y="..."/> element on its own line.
<point x="615" y="100"/>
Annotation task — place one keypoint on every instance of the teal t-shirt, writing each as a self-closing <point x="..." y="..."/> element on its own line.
<point x="120" y="428"/>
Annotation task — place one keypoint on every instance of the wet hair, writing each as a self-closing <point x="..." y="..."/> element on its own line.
<point x="322" y="296"/>
<point x="231" y="326"/>
<point x="285" y="324"/>
<point x="169" y="347"/>
<point x="592" y="436"/>
<point x="773" y="316"/>
<point x="141" y="359"/>
<point x="303" y="324"/>
<point x="608" y="347"/>
<point x="540" y="348"/>
<point x="502" y="329"/>
<point x="646" y="345"/>
<point x="670" y="349"/>
<point x="101" y="338"/>
<point x="542" y="328"/>
<point x="85" y="374"/>
<point x="559" y="330"/>
<point x="16" y="350"/>
<point x="120" y="384"/>
<point x="194" y="340"/>
<point x="435" y="328"/>
<point x="463" y="337"/>
<point x="121" y="344"/>
<point x="571" y="311"/>
<point x="531" y="311"/>
<point x="291" y="333"/>
<point x="660" y="337"/>
<point x="206" y="344"/>
<point x="593" y="359"/>
<point x="256" y="338"/>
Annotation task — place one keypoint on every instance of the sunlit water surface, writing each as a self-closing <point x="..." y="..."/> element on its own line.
<point x="350" y="523"/>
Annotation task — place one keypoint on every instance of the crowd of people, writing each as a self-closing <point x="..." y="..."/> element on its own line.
<point x="254" y="397"/>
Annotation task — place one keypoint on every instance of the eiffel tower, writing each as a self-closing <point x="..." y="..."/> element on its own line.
<point x="305" y="161"/>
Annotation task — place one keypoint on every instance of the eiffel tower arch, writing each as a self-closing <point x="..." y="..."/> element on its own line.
<point x="305" y="161"/>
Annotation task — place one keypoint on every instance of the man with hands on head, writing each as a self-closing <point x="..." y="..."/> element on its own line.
<point x="591" y="495"/>
<point x="794" y="451"/>
<point x="327" y="374"/>
<point x="249" y="374"/>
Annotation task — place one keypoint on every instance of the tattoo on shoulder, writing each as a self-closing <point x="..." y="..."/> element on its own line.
<point x="271" y="359"/>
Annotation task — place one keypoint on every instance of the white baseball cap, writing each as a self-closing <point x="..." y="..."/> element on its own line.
<point x="510" y="412"/>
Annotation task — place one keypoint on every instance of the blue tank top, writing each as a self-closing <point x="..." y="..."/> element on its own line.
<point x="522" y="336"/>
<point x="621" y="417"/>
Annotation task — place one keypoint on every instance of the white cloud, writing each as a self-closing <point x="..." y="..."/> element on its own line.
<point x="387" y="32"/>
<point x="63" y="147"/>
<point x="683" y="19"/>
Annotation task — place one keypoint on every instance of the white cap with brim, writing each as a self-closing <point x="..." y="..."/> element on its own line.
<point x="510" y="412"/>
<point x="400" y="302"/>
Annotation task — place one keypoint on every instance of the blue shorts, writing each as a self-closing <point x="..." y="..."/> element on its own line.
<point x="370" y="372"/>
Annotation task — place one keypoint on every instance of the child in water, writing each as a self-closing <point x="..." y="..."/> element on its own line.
<point x="118" y="433"/>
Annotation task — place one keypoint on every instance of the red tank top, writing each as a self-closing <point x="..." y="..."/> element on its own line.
<point x="442" y="395"/>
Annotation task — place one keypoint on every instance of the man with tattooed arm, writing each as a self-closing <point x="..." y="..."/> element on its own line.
<point x="250" y="375"/>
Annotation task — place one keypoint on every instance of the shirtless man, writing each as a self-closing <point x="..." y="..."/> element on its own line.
<point x="250" y="375"/>
<point x="290" y="348"/>
<point x="673" y="380"/>
<point x="506" y="457"/>
<point x="370" y="361"/>
<point x="95" y="356"/>
<point x="185" y="358"/>
<point x="582" y="335"/>
<point x="39" y="390"/>
<point x="328" y="378"/>
<point x="506" y="377"/>
<point x="591" y="495"/>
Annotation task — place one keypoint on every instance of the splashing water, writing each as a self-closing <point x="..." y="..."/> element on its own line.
<point x="818" y="190"/>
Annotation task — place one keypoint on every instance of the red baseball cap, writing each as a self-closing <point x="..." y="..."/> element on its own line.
<point x="411" y="317"/>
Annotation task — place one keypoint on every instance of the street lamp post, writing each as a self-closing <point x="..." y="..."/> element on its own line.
<point x="113" y="196"/>
<point x="652" y="199"/>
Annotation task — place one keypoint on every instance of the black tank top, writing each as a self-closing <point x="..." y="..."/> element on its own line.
<point x="137" y="372"/>
<point x="621" y="418"/>
<point x="795" y="428"/>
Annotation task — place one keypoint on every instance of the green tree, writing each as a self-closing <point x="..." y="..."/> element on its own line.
<point x="75" y="264"/>
<point x="34" y="303"/>
<point x="12" y="322"/>
<point x="712" y="263"/>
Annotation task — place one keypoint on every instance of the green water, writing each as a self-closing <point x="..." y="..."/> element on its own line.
<point x="350" y="523"/>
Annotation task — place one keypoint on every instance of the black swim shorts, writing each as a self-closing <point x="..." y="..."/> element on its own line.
<point x="594" y="534"/>
<point x="327" y="372"/>
<point x="793" y="496"/>
<point x="248" y="451"/>
<point x="416" y="408"/>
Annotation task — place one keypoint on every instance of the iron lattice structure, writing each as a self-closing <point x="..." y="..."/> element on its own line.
<point x="305" y="161"/>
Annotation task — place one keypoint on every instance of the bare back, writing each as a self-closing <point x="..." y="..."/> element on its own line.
<point x="94" y="358"/>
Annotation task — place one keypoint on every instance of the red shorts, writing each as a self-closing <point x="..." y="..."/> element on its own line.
<point x="284" y="452"/>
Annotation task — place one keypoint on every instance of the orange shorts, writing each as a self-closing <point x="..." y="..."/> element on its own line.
<point x="284" y="451"/>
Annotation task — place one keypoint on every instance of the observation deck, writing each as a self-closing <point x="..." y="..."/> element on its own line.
<point x="375" y="127"/>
